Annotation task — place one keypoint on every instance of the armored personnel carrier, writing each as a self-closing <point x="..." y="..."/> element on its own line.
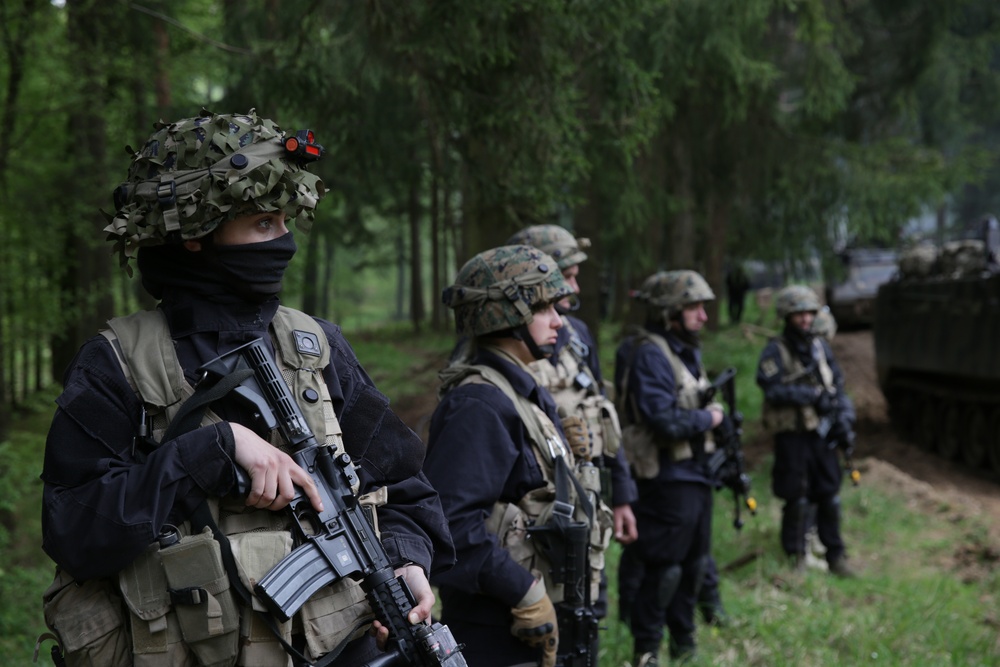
<point x="937" y="347"/>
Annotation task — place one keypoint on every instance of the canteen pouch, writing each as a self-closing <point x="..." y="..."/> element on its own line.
<point x="87" y="620"/>
<point x="200" y="592"/>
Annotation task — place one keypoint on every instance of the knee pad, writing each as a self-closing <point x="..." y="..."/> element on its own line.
<point x="829" y="507"/>
<point x="700" y="570"/>
<point x="669" y="584"/>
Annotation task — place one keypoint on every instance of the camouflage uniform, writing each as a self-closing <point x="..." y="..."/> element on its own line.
<point x="114" y="481"/>
<point x="803" y="396"/>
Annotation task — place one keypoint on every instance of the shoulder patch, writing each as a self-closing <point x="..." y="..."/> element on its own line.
<point x="769" y="367"/>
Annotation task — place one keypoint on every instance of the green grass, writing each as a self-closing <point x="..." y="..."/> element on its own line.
<point x="908" y="608"/>
<point x="905" y="609"/>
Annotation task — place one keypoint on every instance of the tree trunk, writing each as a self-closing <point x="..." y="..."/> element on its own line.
<point x="86" y="291"/>
<point x="680" y="241"/>
<point x="416" y="253"/>
<point x="719" y="211"/>
<point x="588" y="225"/>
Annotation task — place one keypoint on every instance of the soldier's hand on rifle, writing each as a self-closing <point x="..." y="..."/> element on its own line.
<point x="417" y="582"/>
<point x="535" y="622"/>
<point x="577" y="436"/>
<point x="717" y="414"/>
<point x="273" y="474"/>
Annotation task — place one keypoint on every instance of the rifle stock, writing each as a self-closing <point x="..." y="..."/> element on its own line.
<point x="339" y="541"/>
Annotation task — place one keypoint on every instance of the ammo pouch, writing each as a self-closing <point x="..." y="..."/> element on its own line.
<point x="88" y="621"/>
<point x="179" y="595"/>
<point x="641" y="451"/>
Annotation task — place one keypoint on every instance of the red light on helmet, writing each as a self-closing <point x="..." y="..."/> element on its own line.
<point x="303" y="146"/>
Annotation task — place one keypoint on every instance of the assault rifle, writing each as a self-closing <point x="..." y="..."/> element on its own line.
<point x="825" y="430"/>
<point x="726" y="462"/>
<point x="339" y="541"/>
<point x="566" y="544"/>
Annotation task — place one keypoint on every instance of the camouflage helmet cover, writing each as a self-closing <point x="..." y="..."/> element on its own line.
<point x="795" y="299"/>
<point x="194" y="174"/>
<point x="672" y="290"/>
<point x="554" y="241"/>
<point x="498" y="288"/>
<point x="824" y="324"/>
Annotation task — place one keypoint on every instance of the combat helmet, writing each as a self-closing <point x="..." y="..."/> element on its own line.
<point x="497" y="289"/>
<point x="795" y="299"/>
<point x="554" y="241"/>
<point x="194" y="174"/>
<point x="671" y="291"/>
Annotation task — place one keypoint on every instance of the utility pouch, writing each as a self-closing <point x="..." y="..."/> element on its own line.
<point x="611" y="428"/>
<point x="200" y="592"/>
<point x="641" y="452"/>
<point x="87" y="620"/>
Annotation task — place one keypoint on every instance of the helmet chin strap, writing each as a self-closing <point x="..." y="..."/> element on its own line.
<point x="537" y="351"/>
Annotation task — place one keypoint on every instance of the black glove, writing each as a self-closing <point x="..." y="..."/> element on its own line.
<point x="825" y="403"/>
<point x="842" y="434"/>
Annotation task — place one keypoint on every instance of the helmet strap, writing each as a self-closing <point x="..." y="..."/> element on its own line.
<point x="537" y="351"/>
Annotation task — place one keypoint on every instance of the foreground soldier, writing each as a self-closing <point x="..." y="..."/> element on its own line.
<point x="498" y="455"/>
<point x="660" y="379"/>
<point x="806" y="408"/>
<point x="129" y="507"/>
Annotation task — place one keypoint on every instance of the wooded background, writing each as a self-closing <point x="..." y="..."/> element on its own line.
<point x="672" y="133"/>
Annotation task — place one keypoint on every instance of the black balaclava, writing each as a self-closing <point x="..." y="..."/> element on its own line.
<point x="249" y="272"/>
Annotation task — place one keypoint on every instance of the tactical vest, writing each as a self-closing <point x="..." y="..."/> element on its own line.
<point x="574" y="388"/>
<point x="642" y="445"/>
<point x="781" y="418"/>
<point x="181" y="606"/>
<point x="510" y="521"/>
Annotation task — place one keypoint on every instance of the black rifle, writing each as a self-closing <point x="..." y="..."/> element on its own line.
<point x="339" y="541"/>
<point x="566" y="544"/>
<point x="726" y="463"/>
<point x="844" y="440"/>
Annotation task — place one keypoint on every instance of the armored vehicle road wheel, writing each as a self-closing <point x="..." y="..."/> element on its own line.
<point x="976" y="440"/>
<point x="927" y="425"/>
<point x="993" y="443"/>
<point x="949" y="441"/>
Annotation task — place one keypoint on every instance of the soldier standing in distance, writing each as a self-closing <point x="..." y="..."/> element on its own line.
<point x="659" y="379"/>
<point x="806" y="408"/>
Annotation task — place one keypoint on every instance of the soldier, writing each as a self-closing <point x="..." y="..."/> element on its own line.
<point x="573" y="376"/>
<point x="204" y="214"/>
<point x="504" y="465"/>
<point x="806" y="408"/>
<point x="659" y="378"/>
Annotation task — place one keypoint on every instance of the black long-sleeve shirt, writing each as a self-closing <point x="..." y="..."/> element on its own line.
<point x="105" y="499"/>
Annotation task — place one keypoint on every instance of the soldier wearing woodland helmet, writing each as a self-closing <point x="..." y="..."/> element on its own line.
<point x="498" y="455"/>
<point x="128" y="488"/>
<point x="810" y="415"/>
<point x="667" y="435"/>
<point x="572" y="374"/>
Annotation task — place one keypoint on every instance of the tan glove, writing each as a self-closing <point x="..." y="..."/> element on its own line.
<point x="535" y="622"/>
<point x="577" y="436"/>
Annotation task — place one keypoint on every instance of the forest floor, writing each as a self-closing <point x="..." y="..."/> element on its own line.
<point x="942" y="489"/>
